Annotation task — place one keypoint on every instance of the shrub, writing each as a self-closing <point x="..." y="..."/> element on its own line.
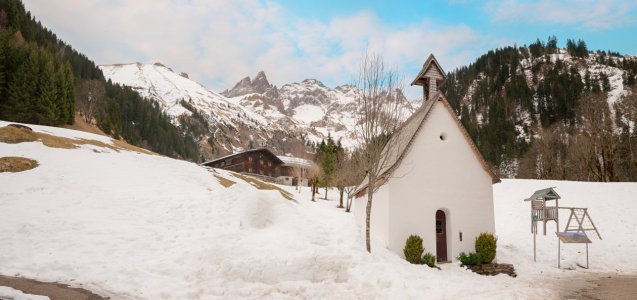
<point x="428" y="259"/>
<point x="486" y="245"/>
<point x="413" y="249"/>
<point x="473" y="258"/>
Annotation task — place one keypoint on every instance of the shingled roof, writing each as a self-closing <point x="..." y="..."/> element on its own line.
<point x="404" y="137"/>
<point x="431" y="60"/>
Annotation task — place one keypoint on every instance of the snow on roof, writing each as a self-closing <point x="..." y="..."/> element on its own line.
<point x="291" y="161"/>
<point x="265" y="151"/>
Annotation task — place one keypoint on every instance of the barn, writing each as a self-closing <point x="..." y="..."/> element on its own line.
<point x="438" y="186"/>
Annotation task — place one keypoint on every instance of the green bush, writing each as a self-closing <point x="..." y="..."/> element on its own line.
<point x="473" y="258"/>
<point x="486" y="245"/>
<point x="428" y="259"/>
<point x="413" y="249"/>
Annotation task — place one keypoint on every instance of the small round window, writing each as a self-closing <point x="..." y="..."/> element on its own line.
<point x="443" y="136"/>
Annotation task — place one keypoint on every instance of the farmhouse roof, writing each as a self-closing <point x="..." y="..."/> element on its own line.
<point x="431" y="61"/>
<point x="275" y="159"/>
<point x="295" y="161"/>
<point x="402" y="141"/>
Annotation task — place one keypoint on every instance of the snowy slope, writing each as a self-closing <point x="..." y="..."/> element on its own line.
<point x="134" y="226"/>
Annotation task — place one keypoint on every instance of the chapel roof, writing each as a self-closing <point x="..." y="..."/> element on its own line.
<point x="402" y="141"/>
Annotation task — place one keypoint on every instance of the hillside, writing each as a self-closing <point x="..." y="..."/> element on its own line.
<point x="513" y="100"/>
<point x="46" y="81"/>
<point x="130" y="225"/>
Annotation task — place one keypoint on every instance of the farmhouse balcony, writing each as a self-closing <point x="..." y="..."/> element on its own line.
<point x="259" y="176"/>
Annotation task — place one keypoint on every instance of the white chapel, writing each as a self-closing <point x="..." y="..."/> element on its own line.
<point x="438" y="186"/>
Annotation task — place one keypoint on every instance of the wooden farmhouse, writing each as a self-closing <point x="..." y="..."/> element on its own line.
<point x="260" y="163"/>
<point x="263" y="164"/>
<point x="437" y="185"/>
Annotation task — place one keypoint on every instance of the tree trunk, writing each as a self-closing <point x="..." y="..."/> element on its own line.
<point x="313" y="192"/>
<point x="368" y="214"/>
<point x="325" y="193"/>
<point x="340" y="203"/>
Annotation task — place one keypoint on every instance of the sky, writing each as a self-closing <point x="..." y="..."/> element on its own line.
<point x="222" y="41"/>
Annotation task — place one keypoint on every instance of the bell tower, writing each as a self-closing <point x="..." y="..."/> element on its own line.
<point x="430" y="77"/>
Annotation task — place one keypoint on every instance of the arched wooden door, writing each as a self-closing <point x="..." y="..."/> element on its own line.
<point x="441" y="236"/>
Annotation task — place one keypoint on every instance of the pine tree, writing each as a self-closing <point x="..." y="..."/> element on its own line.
<point x="46" y="111"/>
<point x="21" y="91"/>
<point x="3" y="82"/>
<point x="70" y="93"/>
<point x="582" y="50"/>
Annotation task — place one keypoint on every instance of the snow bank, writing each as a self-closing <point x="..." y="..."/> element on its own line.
<point x="11" y="294"/>
<point x="610" y="205"/>
<point x="133" y="226"/>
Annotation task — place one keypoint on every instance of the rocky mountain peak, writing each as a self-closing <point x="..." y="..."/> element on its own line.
<point x="259" y="85"/>
<point x="310" y="81"/>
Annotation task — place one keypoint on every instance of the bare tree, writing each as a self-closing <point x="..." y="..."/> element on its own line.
<point x="353" y="175"/>
<point x="4" y="21"/>
<point x="379" y="114"/>
<point x="300" y="167"/>
<point x="90" y="97"/>
<point x="626" y="109"/>
<point x="314" y="176"/>
<point x="340" y="179"/>
<point x="596" y="143"/>
<point x="549" y="156"/>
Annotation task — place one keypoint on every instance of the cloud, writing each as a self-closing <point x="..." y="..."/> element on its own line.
<point x="585" y="15"/>
<point x="219" y="42"/>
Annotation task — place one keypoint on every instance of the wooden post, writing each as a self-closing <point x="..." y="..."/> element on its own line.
<point x="534" y="234"/>
<point x="558" y="252"/>
<point x="587" y="255"/>
<point x="557" y="215"/>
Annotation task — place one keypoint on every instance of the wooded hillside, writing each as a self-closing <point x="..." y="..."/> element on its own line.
<point x="45" y="81"/>
<point x="529" y="111"/>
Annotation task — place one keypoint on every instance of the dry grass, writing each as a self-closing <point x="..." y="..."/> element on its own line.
<point x="225" y="182"/>
<point x="126" y="146"/>
<point x="81" y="125"/>
<point x="16" y="164"/>
<point x="265" y="186"/>
<point x="13" y="135"/>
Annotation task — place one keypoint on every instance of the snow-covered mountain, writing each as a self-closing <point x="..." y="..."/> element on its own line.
<point x="309" y="102"/>
<point x="232" y="127"/>
<point x="254" y="113"/>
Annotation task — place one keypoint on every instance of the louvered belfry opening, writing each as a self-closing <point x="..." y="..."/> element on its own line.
<point x="430" y="77"/>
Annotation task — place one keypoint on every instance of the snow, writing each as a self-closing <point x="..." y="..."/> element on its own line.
<point x="133" y="226"/>
<point x="7" y="293"/>
<point x="308" y="113"/>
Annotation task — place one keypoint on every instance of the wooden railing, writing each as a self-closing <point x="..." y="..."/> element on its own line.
<point x="259" y="176"/>
<point x="550" y="213"/>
